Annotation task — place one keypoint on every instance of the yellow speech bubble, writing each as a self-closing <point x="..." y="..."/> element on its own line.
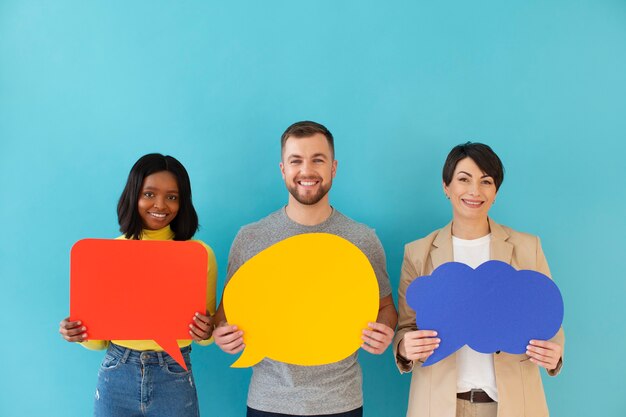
<point x="304" y="301"/>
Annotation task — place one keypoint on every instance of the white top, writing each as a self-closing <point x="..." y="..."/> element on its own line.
<point x="474" y="370"/>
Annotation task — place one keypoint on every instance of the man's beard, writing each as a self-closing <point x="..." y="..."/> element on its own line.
<point x="309" y="199"/>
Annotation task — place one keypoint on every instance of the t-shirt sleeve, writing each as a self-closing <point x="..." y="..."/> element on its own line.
<point x="376" y="254"/>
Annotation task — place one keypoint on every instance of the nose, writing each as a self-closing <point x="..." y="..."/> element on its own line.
<point x="306" y="167"/>
<point x="159" y="203"/>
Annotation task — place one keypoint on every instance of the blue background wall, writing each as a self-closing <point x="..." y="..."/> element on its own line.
<point x="87" y="87"/>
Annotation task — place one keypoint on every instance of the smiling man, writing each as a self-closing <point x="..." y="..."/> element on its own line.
<point x="308" y="167"/>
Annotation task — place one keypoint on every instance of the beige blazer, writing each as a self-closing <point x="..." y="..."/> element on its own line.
<point x="433" y="388"/>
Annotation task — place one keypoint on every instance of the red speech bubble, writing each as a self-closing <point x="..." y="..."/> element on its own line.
<point x="138" y="289"/>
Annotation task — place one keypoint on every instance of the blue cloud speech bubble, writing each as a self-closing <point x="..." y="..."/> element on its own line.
<point x="491" y="308"/>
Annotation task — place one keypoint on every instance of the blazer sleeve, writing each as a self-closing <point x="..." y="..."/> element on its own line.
<point x="406" y="315"/>
<point x="559" y="337"/>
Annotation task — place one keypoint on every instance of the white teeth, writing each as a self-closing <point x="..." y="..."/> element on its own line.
<point x="307" y="183"/>
<point x="473" y="203"/>
<point x="158" y="215"/>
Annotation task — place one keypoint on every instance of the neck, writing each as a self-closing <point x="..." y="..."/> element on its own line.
<point x="470" y="229"/>
<point x="308" y="215"/>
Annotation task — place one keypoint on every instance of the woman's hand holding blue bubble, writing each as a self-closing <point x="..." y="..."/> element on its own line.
<point x="419" y="344"/>
<point x="544" y="353"/>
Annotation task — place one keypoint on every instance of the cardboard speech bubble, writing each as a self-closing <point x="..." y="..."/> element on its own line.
<point x="491" y="308"/>
<point x="303" y="301"/>
<point x="138" y="289"/>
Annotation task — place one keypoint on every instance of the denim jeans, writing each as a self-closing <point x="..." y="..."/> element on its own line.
<point x="135" y="383"/>
<point x="257" y="413"/>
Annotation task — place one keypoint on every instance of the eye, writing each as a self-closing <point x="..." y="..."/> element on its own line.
<point x="318" y="161"/>
<point x="295" y="161"/>
<point x="148" y="194"/>
<point x="487" y="182"/>
<point x="464" y="179"/>
<point x="172" y="197"/>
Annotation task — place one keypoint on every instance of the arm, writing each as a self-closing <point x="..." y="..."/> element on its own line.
<point x="228" y="338"/>
<point x="547" y="353"/>
<point x="202" y="324"/>
<point x="410" y="344"/>
<point x="377" y="337"/>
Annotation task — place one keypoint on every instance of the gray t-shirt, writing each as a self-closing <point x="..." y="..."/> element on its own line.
<point x="306" y="390"/>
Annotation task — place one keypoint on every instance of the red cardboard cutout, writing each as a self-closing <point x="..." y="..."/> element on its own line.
<point x="138" y="289"/>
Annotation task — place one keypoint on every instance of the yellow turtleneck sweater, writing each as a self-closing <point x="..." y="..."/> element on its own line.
<point x="166" y="234"/>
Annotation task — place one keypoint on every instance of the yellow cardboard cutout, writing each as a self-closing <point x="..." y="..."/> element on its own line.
<point x="304" y="301"/>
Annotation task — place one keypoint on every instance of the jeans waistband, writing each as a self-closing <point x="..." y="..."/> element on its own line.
<point x="144" y="356"/>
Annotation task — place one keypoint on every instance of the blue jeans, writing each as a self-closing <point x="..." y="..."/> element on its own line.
<point x="258" y="413"/>
<point x="135" y="383"/>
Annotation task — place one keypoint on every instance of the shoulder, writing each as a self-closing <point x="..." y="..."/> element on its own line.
<point x="260" y="227"/>
<point x="205" y="246"/>
<point x="513" y="236"/>
<point x="422" y="245"/>
<point x="353" y="224"/>
<point x="360" y="234"/>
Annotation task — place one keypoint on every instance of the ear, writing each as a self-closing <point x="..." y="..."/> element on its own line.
<point x="445" y="189"/>
<point x="282" y="170"/>
<point x="333" y="169"/>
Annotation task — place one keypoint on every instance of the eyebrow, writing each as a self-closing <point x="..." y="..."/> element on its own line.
<point x="315" y="155"/>
<point x="467" y="173"/>
<point x="149" y="188"/>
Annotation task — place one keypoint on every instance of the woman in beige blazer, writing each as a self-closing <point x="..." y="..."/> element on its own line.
<point x="462" y="384"/>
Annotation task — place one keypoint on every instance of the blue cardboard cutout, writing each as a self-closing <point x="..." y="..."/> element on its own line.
<point x="491" y="308"/>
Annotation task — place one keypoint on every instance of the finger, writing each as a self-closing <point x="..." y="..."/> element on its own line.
<point x="544" y="364"/>
<point x="375" y="335"/>
<point x="542" y="343"/>
<point x="416" y="356"/>
<point x="74" y="332"/>
<point x="224" y="330"/>
<point x="372" y="342"/>
<point x="238" y="349"/>
<point x="196" y="335"/>
<point x="550" y="346"/>
<point x="198" y="330"/>
<point x="370" y="349"/>
<point x="80" y="338"/>
<point x="421" y="333"/>
<point x="540" y="351"/>
<point x="382" y="328"/>
<point x="422" y="349"/>
<point x="223" y="340"/>
<point x="233" y="347"/>
<point x="197" y="322"/>
<point x="547" y="362"/>
<point x="202" y="318"/>
<point x="66" y="324"/>
<point x="423" y="342"/>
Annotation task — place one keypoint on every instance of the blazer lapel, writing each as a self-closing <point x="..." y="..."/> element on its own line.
<point x="443" y="247"/>
<point x="501" y="250"/>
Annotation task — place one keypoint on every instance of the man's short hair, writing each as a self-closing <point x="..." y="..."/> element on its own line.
<point x="307" y="129"/>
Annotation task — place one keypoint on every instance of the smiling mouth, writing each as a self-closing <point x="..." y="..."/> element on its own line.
<point x="308" y="183"/>
<point x="472" y="203"/>
<point x="158" y="215"/>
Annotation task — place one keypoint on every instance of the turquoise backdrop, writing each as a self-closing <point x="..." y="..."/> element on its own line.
<point x="86" y="87"/>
